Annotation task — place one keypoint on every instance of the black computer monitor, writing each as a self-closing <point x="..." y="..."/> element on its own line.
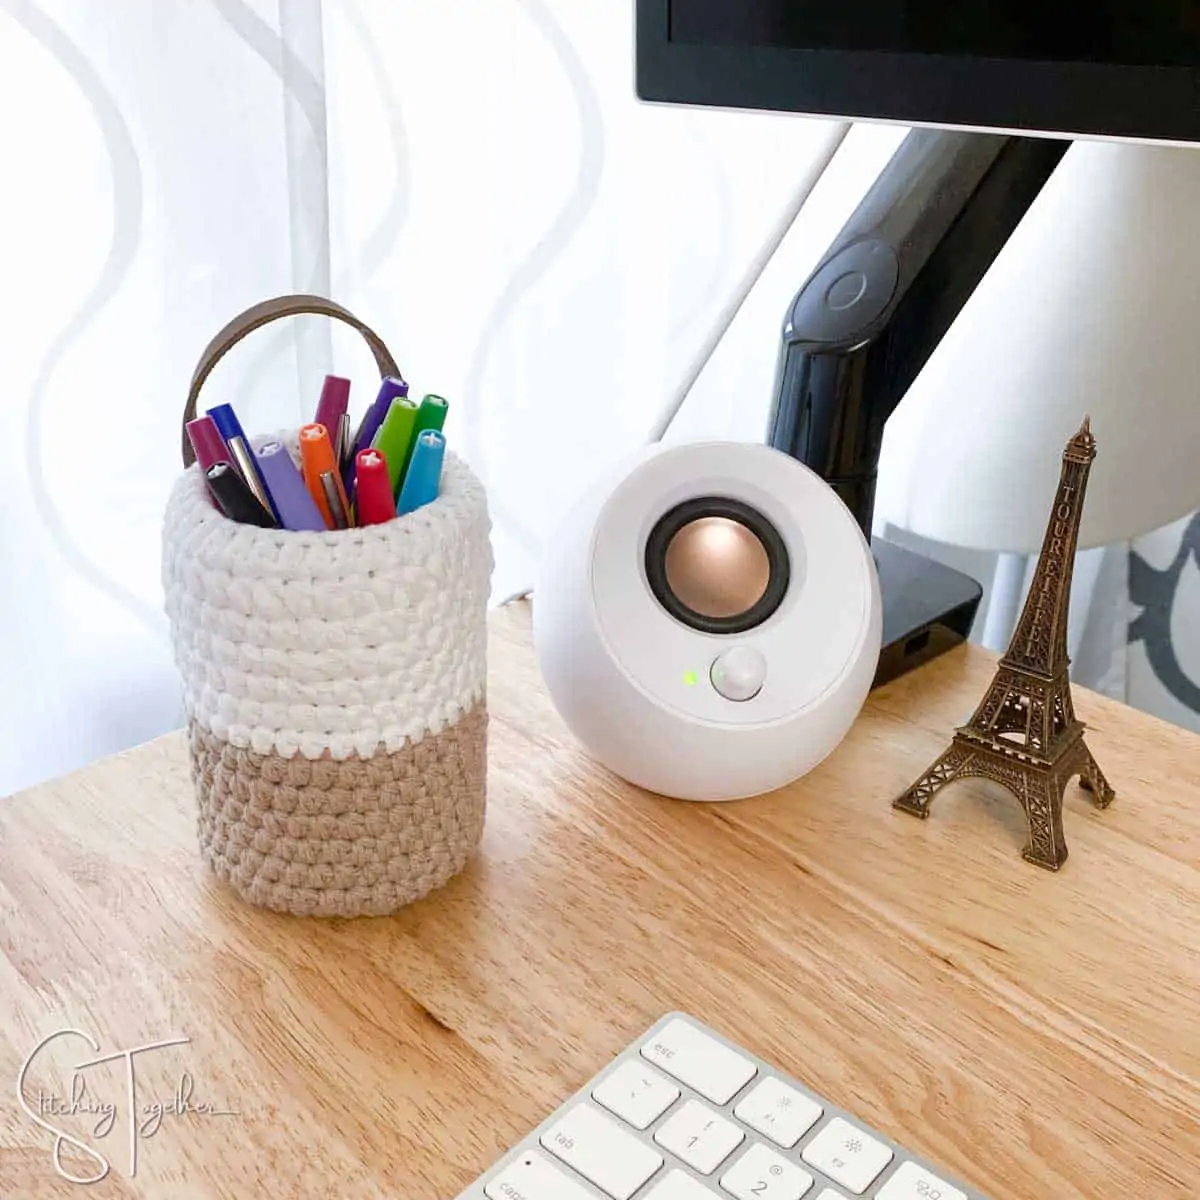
<point x="1078" y="68"/>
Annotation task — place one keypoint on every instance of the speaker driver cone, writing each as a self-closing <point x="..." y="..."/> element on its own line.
<point x="717" y="565"/>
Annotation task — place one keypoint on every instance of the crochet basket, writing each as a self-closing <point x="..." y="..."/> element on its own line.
<point x="334" y="683"/>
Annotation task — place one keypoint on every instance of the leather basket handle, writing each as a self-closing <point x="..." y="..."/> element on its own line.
<point x="262" y="314"/>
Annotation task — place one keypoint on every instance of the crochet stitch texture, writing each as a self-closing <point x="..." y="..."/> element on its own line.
<point x="334" y="688"/>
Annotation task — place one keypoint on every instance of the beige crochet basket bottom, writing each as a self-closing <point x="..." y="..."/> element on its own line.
<point x="360" y="837"/>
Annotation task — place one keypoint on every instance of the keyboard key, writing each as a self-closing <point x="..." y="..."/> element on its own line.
<point x="761" y="1174"/>
<point x="778" y="1112"/>
<point x="699" y="1061"/>
<point x="636" y="1094"/>
<point x="531" y="1177"/>
<point x="601" y="1151"/>
<point x="911" y="1182"/>
<point x="678" y="1186"/>
<point x="699" y="1136"/>
<point x="830" y="1194"/>
<point x="851" y="1158"/>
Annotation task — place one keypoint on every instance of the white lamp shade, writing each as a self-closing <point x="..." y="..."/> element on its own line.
<point x="1092" y="308"/>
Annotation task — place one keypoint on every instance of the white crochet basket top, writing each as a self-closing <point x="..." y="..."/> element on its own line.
<point x="341" y="643"/>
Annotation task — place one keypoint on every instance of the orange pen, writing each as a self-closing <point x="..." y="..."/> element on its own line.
<point x="316" y="457"/>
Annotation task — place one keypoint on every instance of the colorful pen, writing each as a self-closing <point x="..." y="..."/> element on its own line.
<point x="335" y="400"/>
<point x="227" y="422"/>
<point x="341" y="443"/>
<point x="373" y="501"/>
<point x="331" y="485"/>
<point x="389" y="389"/>
<point x="290" y="498"/>
<point x="430" y="415"/>
<point x="246" y="464"/>
<point x="424" y="473"/>
<point x="316" y="457"/>
<point x="207" y="442"/>
<point x="230" y="428"/>
<point x="234" y="497"/>
<point x="395" y="437"/>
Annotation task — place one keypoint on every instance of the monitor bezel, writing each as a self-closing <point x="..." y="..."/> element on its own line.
<point x="1084" y="100"/>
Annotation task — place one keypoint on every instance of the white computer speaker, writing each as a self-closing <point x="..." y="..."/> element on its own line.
<point x="708" y="620"/>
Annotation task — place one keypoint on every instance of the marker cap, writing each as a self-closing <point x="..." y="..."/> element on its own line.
<point x="373" y="488"/>
<point x="424" y="473"/>
<point x="395" y="438"/>
<point x="389" y="389"/>
<point x="293" y="504"/>
<point x="207" y="442"/>
<point x="316" y="457"/>
<point x="335" y="400"/>
<point x="227" y="423"/>
<point x="430" y="415"/>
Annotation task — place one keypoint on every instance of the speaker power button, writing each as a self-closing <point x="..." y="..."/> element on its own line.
<point x="739" y="674"/>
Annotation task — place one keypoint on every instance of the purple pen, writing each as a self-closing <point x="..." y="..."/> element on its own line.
<point x="207" y="442"/>
<point x="335" y="400"/>
<point x="389" y="389"/>
<point x="292" y="500"/>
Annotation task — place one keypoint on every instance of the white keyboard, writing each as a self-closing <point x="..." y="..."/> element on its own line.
<point x="683" y="1114"/>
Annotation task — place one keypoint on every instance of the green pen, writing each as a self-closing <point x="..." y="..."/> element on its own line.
<point x="430" y="416"/>
<point x="394" y="438"/>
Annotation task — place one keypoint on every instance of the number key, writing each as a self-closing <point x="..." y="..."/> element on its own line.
<point x="699" y="1136"/>
<point x="761" y="1174"/>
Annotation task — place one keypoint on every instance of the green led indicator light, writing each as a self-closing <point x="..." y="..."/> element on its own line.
<point x="690" y="677"/>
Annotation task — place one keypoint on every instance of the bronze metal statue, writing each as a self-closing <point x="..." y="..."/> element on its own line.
<point x="1025" y="734"/>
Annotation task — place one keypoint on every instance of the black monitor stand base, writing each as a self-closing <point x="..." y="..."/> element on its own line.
<point x="928" y="608"/>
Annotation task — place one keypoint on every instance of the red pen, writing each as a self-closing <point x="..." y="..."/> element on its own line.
<point x="373" y="489"/>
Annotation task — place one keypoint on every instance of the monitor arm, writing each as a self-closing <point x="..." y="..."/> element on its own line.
<point x="866" y="321"/>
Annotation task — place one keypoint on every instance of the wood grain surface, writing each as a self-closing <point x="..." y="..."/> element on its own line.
<point x="1038" y="1034"/>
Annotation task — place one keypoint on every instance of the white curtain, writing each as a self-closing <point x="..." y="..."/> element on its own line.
<point x="474" y="178"/>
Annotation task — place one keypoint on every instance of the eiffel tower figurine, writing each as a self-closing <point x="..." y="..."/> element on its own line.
<point x="1024" y="734"/>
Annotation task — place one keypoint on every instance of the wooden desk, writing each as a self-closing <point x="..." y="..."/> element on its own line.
<point x="1037" y="1034"/>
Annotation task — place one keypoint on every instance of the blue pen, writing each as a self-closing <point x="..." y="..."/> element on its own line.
<point x="421" y="480"/>
<point x="230" y="428"/>
<point x="227" y="423"/>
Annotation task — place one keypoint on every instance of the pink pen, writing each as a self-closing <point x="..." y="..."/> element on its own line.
<point x="335" y="400"/>
<point x="207" y="442"/>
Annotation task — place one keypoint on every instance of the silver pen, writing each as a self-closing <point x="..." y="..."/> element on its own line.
<point x="333" y="497"/>
<point x="341" y="441"/>
<point x="249" y="470"/>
